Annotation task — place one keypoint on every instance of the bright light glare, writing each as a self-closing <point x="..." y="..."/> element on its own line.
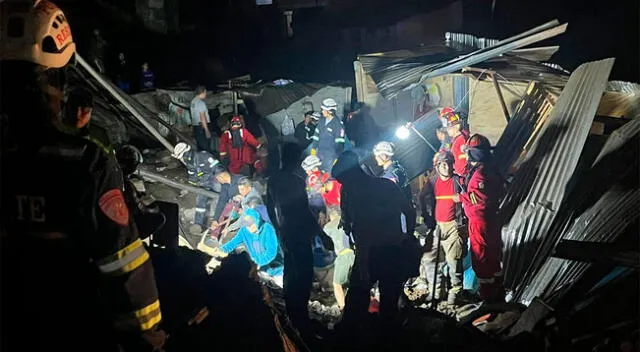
<point x="403" y="132"/>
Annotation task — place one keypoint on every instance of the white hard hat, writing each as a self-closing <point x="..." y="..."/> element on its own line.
<point x="316" y="115"/>
<point x="180" y="149"/>
<point x="310" y="162"/>
<point x="329" y="104"/>
<point x="35" y="32"/>
<point x="384" y="148"/>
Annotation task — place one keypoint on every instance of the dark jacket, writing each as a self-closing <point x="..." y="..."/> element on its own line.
<point x="227" y="192"/>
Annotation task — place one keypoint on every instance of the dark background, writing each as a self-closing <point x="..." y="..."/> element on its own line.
<point x="220" y="39"/>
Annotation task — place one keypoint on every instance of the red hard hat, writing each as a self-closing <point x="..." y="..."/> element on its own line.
<point x="236" y="121"/>
<point x="478" y="141"/>
<point x="443" y="156"/>
<point x="449" y="117"/>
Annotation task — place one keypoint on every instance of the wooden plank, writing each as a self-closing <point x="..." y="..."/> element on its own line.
<point x="597" y="128"/>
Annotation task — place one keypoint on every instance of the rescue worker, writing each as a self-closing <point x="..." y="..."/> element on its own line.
<point x="200" y="169"/>
<point x="449" y="217"/>
<point x="307" y="128"/>
<point x="381" y="221"/>
<point x="321" y="183"/>
<point x="392" y="169"/>
<point x="200" y="119"/>
<point x="289" y="210"/>
<point x="328" y="141"/>
<point x="238" y="149"/>
<point x="480" y="201"/>
<point x="147" y="78"/>
<point x="75" y="275"/>
<point x="228" y="190"/>
<point x="77" y="118"/>
<point x="452" y="121"/>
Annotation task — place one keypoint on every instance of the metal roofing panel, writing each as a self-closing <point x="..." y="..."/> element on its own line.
<point x="623" y="87"/>
<point x="553" y="163"/>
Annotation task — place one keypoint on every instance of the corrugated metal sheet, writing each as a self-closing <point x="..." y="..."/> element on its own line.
<point x="470" y="40"/>
<point x="600" y="215"/>
<point x="268" y="98"/>
<point x="552" y="161"/>
<point x="392" y="74"/>
<point x="623" y="87"/>
<point x="461" y="94"/>
<point x="537" y="54"/>
<point x="524" y="126"/>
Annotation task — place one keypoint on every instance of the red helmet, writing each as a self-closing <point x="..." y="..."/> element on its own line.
<point x="449" y="117"/>
<point x="478" y="141"/>
<point x="236" y="121"/>
<point x="443" y="156"/>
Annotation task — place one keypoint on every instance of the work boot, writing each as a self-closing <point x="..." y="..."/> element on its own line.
<point x="452" y="297"/>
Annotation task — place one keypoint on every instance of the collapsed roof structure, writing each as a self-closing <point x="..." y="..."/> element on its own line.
<point x="569" y="152"/>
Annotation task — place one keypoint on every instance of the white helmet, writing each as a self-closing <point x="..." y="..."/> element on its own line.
<point x="180" y="149"/>
<point x="329" y="104"/>
<point x="35" y="32"/>
<point x="384" y="148"/>
<point x="310" y="162"/>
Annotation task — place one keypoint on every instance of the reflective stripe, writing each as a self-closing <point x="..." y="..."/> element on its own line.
<point x="223" y="153"/>
<point x="315" y="138"/>
<point x="345" y="251"/>
<point x="200" y="174"/>
<point x="145" y="318"/>
<point x="444" y="197"/>
<point x="472" y="196"/>
<point x="462" y="156"/>
<point x="125" y="260"/>
<point x="201" y="164"/>
<point x="339" y="140"/>
<point x="60" y="151"/>
<point x="191" y="172"/>
<point x="201" y="210"/>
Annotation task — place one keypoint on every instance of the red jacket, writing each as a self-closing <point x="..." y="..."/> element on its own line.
<point x="484" y="190"/>
<point x="459" y="155"/>
<point x="445" y="206"/>
<point x="238" y="157"/>
<point x="319" y="182"/>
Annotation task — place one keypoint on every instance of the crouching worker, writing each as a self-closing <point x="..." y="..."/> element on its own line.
<point x="260" y="241"/>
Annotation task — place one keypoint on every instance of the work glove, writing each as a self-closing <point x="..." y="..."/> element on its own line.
<point x="155" y="338"/>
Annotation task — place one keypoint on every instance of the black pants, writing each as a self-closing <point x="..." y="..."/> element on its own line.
<point x="298" y="277"/>
<point x="389" y="277"/>
<point x="202" y="141"/>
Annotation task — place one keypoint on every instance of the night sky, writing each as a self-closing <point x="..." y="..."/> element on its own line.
<point x="221" y="39"/>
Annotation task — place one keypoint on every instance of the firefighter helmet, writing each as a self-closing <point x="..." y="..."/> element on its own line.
<point x="236" y="121"/>
<point x="329" y="104"/>
<point x="316" y="116"/>
<point x="384" y="148"/>
<point x="180" y="149"/>
<point x="36" y="32"/>
<point x="443" y="156"/>
<point x="129" y="157"/>
<point x="311" y="162"/>
<point x="478" y="148"/>
<point x="449" y="117"/>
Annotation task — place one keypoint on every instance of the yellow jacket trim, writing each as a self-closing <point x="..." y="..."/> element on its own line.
<point x="472" y="196"/>
<point x="444" y="197"/>
<point x="125" y="260"/>
<point x="144" y="318"/>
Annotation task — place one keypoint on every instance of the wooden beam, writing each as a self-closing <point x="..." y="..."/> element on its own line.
<point x="501" y="98"/>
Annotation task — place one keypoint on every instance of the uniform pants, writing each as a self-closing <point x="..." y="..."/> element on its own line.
<point x="453" y="247"/>
<point x="486" y="253"/>
<point x="390" y="278"/>
<point x="297" y="281"/>
<point x="327" y="158"/>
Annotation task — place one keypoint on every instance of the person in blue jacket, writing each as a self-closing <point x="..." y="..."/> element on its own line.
<point x="260" y="241"/>
<point x="329" y="139"/>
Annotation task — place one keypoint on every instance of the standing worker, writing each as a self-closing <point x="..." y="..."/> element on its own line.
<point x="238" y="149"/>
<point x="76" y="277"/>
<point x="450" y="221"/>
<point x="289" y="209"/>
<point x="201" y="173"/>
<point x="392" y="169"/>
<point x="452" y="121"/>
<point x="306" y="129"/>
<point x="328" y="141"/>
<point x="480" y="202"/>
<point x="382" y="222"/>
<point x="200" y="119"/>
